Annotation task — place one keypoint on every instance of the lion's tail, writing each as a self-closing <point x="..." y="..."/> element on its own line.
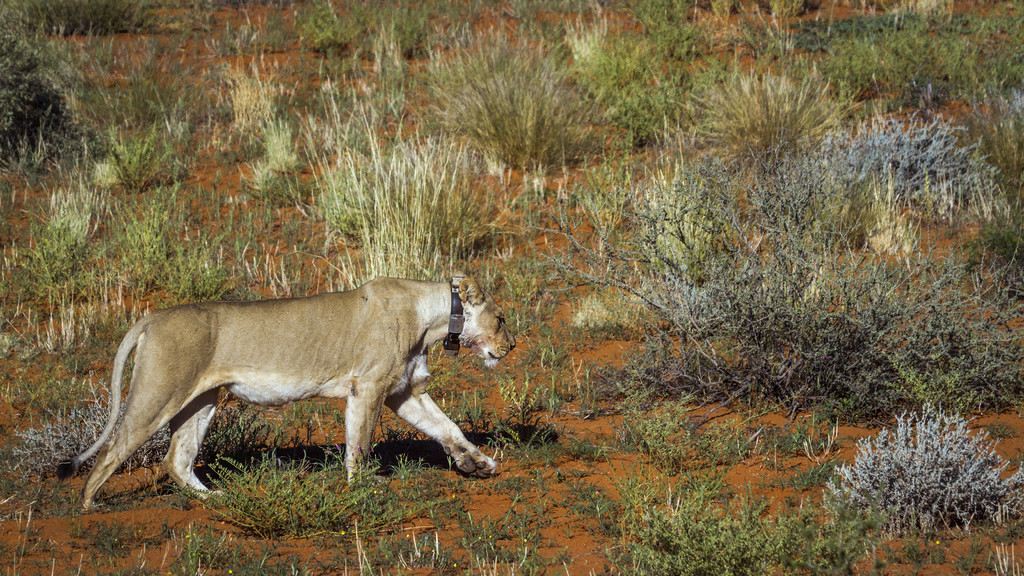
<point x="67" y="468"/>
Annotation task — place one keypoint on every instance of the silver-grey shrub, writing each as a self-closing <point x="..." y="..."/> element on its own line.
<point x="930" y="472"/>
<point x="923" y="161"/>
<point x="69" y="432"/>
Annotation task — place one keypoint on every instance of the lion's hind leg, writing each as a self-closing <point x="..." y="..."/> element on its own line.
<point x="141" y="420"/>
<point x="188" y="428"/>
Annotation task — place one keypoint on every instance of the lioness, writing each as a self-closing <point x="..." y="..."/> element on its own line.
<point x="368" y="345"/>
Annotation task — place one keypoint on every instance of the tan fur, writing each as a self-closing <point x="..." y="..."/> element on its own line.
<point x="368" y="345"/>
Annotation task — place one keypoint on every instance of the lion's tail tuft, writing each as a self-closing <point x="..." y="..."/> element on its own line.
<point x="67" y="468"/>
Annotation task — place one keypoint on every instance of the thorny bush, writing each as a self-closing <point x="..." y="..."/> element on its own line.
<point x="761" y="297"/>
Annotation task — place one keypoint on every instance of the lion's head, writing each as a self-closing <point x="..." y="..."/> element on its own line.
<point x="485" y="331"/>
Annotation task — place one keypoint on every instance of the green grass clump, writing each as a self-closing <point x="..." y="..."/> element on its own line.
<point x="81" y="16"/>
<point x="302" y="500"/>
<point x="352" y="25"/>
<point x="32" y="107"/>
<point x="752" y="116"/>
<point x="512" y="103"/>
<point x="56" y="266"/>
<point x="149" y="258"/>
<point x="138" y="162"/>
<point x="692" y="534"/>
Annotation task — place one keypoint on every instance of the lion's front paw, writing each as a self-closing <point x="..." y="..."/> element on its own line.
<point x="476" y="463"/>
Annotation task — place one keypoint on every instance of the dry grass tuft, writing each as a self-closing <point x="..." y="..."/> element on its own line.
<point x="752" y="115"/>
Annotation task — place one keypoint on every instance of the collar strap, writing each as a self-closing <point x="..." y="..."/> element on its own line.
<point x="456" y="321"/>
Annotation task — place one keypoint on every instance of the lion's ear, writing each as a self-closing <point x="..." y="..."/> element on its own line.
<point x="470" y="292"/>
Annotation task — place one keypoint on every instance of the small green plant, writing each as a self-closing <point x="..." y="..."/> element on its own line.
<point x="513" y="103"/>
<point x="205" y="549"/>
<point x="138" y="162"/>
<point x="351" y="25"/>
<point x="752" y="115"/>
<point x="300" y="500"/>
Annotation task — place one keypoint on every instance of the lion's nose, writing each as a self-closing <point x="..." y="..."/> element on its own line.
<point x="511" y="343"/>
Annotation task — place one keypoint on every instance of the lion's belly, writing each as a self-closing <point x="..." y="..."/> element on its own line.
<point x="269" y="389"/>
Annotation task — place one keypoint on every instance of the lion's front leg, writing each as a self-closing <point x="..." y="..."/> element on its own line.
<point x="361" y="414"/>
<point x="422" y="413"/>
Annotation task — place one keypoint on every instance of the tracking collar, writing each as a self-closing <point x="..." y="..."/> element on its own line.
<point x="456" y="321"/>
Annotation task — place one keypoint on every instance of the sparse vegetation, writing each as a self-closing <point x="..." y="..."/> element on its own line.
<point x="730" y="238"/>
<point x="997" y="125"/>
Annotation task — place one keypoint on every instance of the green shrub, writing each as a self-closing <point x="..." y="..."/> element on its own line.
<point x="512" y="103"/>
<point x="666" y="24"/>
<point x="150" y="258"/>
<point x="750" y="116"/>
<point x="32" y="107"/>
<point x="691" y="535"/>
<point x="81" y="16"/>
<point x="784" y="312"/>
<point x="193" y="275"/>
<point x="324" y="30"/>
<point x="625" y="76"/>
<point x="673" y="442"/>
